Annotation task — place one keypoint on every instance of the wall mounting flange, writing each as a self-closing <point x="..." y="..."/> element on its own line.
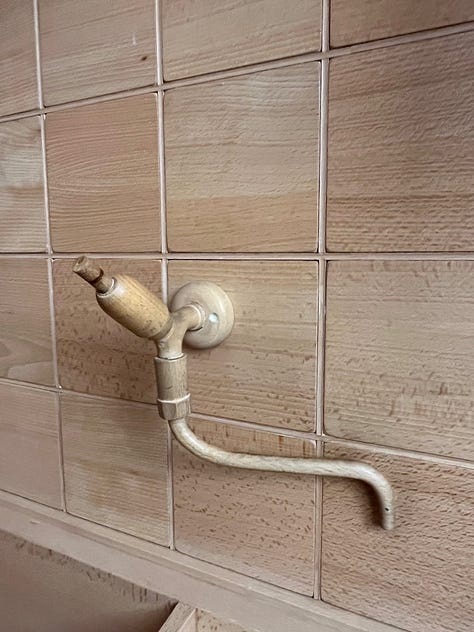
<point x="216" y="308"/>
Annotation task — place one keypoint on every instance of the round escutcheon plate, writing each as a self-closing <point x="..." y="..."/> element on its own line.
<point x="217" y="310"/>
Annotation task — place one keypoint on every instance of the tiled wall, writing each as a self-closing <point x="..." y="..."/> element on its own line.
<point x="314" y="160"/>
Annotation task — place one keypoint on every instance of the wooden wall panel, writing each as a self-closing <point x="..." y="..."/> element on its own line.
<point x="29" y="444"/>
<point x="103" y="176"/>
<point x="115" y="465"/>
<point x="95" y="47"/>
<point x="25" y="322"/>
<point x="355" y="21"/>
<point x="398" y="360"/>
<point x="257" y="523"/>
<point x="22" y="212"/>
<point x="207" y="35"/>
<point x="242" y="163"/>
<point x="265" y="372"/>
<point x="418" y="577"/>
<point x="18" y="83"/>
<point x="401" y="148"/>
<point x="95" y="354"/>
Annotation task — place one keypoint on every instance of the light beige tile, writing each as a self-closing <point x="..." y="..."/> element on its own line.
<point x="29" y="449"/>
<point x="202" y="36"/>
<point x="18" y="87"/>
<point x="401" y="148"/>
<point x="96" y="354"/>
<point x="398" y="354"/>
<point x="115" y="465"/>
<point x="265" y="371"/>
<point x="22" y="212"/>
<point x="25" y="322"/>
<point x="103" y="176"/>
<point x="242" y="163"/>
<point x="96" y="47"/>
<point x="355" y="21"/>
<point x="418" y="577"/>
<point x="256" y="523"/>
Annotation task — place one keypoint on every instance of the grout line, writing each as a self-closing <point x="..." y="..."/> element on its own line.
<point x="323" y="154"/>
<point x="245" y="70"/>
<point x="325" y="24"/>
<point x="286" y="432"/>
<point x="318" y="526"/>
<point x="170" y="483"/>
<point x="321" y="342"/>
<point x="159" y="43"/>
<point x="243" y="256"/>
<point x="164" y="281"/>
<point x="61" y="453"/>
<point x="162" y="173"/>
<point x="39" y="78"/>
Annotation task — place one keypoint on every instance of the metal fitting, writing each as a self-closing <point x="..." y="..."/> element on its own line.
<point x="173" y="396"/>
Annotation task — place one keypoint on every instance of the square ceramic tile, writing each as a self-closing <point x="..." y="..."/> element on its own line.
<point x="18" y="82"/>
<point x="22" y="210"/>
<point x="398" y="361"/>
<point x="265" y="372"/>
<point x="256" y="523"/>
<point x="95" y="47"/>
<point x="103" y="176"/>
<point x="242" y="163"/>
<point x="25" y="322"/>
<point x="29" y="444"/>
<point x="400" y="153"/>
<point x="201" y="36"/>
<point x="95" y="354"/>
<point x="115" y="465"/>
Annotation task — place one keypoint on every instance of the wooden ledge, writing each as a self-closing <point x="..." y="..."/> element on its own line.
<point x="228" y="595"/>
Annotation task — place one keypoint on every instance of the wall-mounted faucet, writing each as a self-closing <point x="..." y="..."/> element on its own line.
<point x="202" y="315"/>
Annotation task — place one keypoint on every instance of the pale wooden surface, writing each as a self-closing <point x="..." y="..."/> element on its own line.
<point x="42" y="591"/>
<point x="103" y="176"/>
<point x="265" y="371"/>
<point x="230" y="596"/>
<point x="242" y="163"/>
<point x="29" y="448"/>
<point x="256" y="523"/>
<point x="399" y="360"/>
<point x="419" y="576"/>
<point x="355" y="21"/>
<point x="96" y="354"/>
<point x="207" y="35"/>
<point x="115" y="465"/>
<point x="182" y="619"/>
<point x="95" y="48"/>
<point x="401" y="148"/>
<point x="208" y="623"/>
<point x="25" y="324"/>
<point x="18" y="89"/>
<point x="22" y="213"/>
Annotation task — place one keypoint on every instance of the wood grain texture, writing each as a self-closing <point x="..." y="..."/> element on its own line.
<point x="354" y="21"/>
<point x="93" y="47"/>
<point x="202" y="36"/>
<point x="256" y="523"/>
<point x="401" y="148"/>
<point x="25" y="322"/>
<point x="206" y="622"/>
<point x="29" y="450"/>
<point x="115" y="465"/>
<point x="43" y="591"/>
<point x="420" y="576"/>
<point x="103" y="176"/>
<point x="398" y="354"/>
<point x="96" y="354"/>
<point x="265" y="371"/>
<point x="18" y="88"/>
<point x="242" y="163"/>
<point x="22" y="212"/>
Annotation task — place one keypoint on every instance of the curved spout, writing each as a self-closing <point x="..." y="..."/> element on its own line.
<point x="318" y="467"/>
